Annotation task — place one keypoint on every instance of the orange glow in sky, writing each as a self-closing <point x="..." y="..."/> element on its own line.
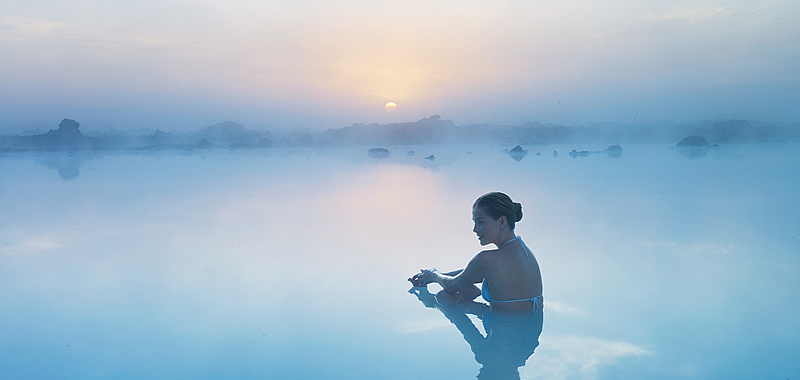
<point x="185" y="65"/>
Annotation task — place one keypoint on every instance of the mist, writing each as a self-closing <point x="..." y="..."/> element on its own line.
<point x="218" y="190"/>
<point x="313" y="66"/>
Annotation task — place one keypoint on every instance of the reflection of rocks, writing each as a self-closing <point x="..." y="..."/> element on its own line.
<point x="555" y="154"/>
<point x="430" y="158"/>
<point x="583" y="153"/>
<point x="378" y="153"/>
<point x="693" y="152"/>
<point x="613" y="151"/>
<point x="67" y="164"/>
<point x="517" y="153"/>
<point x="410" y="153"/>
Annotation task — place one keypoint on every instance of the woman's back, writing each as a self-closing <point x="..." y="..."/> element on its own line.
<point x="512" y="277"/>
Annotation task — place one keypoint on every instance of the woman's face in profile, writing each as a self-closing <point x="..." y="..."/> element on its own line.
<point x="487" y="229"/>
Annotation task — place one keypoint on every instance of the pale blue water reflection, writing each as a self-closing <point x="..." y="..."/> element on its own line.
<point x="293" y="264"/>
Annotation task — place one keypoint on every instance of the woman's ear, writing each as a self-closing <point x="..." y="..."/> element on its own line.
<point x="503" y="221"/>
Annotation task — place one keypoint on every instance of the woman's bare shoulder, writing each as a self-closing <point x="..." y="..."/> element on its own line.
<point x="485" y="256"/>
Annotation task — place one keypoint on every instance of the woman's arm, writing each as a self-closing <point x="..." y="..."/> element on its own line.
<point x="453" y="273"/>
<point x="417" y="279"/>
<point x="456" y="280"/>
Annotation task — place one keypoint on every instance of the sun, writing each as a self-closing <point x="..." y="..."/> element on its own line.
<point x="391" y="107"/>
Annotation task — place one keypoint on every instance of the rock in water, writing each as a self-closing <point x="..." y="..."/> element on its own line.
<point x="693" y="142"/>
<point x="378" y="153"/>
<point x="613" y="151"/>
<point x="430" y="158"/>
<point x="517" y="153"/>
<point x="693" y="146"/>
<point x="518" y="149"/>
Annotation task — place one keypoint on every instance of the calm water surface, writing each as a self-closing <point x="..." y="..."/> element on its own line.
<point x="293" y="264"/>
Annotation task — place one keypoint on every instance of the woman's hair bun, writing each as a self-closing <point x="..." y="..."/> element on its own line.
<point x="498" y="204"/>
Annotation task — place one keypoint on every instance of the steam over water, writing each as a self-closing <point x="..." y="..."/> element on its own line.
<point x="293" y="263"/>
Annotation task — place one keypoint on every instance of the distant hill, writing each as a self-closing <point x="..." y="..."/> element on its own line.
<point x="229" y="133"/>
<point x="67" y="137"/>
<point x="434" y="130"/>
<point x="431" y="130"/>
<point x="426" y="131"/>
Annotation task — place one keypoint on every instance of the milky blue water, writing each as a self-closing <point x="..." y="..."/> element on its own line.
<point x="292" y="264"/>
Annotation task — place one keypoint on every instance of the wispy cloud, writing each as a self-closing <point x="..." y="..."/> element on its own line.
<point x="29" y="23"/>
<point x="17" y="29"/>
<point x="32" y="245"/>
<point x="683" y="12"/>
<point x="571" y="357"/>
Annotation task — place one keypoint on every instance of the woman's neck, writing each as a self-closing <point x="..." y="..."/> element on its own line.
<point x="507" y="237"/>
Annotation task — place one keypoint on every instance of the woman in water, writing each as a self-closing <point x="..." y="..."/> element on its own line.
<point x="510" y="276"/>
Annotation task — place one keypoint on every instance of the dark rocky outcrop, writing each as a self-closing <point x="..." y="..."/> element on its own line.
<point x="517" y="153"/>
<point x="693" y="146"/>
<point x="378" y="153"/>
<point x="67" y="137"/>
<point x="692" y="142"/>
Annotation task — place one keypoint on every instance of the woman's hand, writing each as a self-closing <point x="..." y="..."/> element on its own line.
<point x="424" y="277"/>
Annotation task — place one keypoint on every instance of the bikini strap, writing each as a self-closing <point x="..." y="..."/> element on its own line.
<point x="525" y="247"/>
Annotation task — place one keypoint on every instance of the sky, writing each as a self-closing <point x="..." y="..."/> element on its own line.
<point x="314" y="65"/>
